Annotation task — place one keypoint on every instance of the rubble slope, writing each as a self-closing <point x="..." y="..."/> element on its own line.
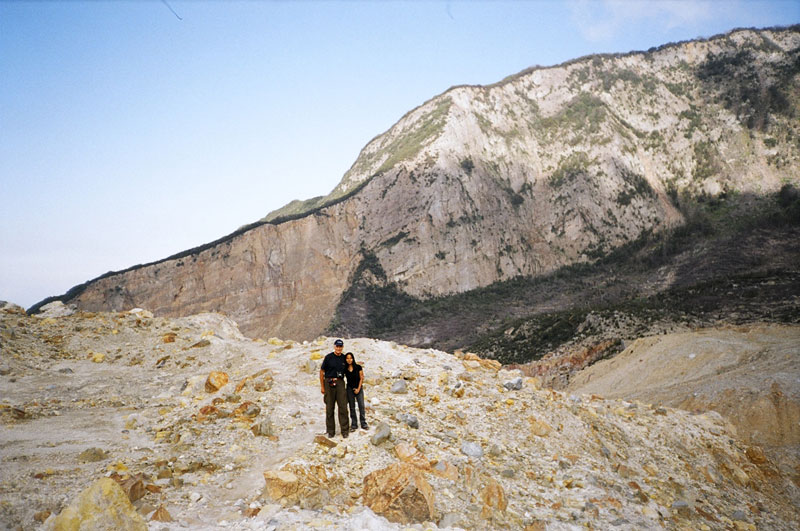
<point x="471" y="445"/>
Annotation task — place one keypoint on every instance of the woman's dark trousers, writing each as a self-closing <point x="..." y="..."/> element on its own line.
<point x="352" y="398"/>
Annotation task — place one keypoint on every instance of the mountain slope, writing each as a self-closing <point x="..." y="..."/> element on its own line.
<point x="551" y="167"/>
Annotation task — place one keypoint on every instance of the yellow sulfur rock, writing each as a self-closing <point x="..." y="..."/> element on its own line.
<point x="274" y="341"/>
<point x="119" y="466"/>
<point x="104" y="505"/>
<point x="316" y="355"/>
<point x="98" y="357"/>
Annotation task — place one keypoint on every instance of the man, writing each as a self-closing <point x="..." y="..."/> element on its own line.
<point x="331" y="381"/>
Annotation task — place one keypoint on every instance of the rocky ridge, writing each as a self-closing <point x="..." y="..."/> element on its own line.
<point x="204" y="428"/>
<point x="551" y="167"/>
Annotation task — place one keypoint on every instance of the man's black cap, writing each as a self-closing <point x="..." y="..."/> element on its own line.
<point x="338" y="343"/>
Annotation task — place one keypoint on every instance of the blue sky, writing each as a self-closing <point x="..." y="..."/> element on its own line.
<point x="128" y="134"/>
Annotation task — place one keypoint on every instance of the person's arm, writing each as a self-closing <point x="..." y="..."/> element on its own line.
<point x="360" y="381"/>
<point x="322" y="381"/>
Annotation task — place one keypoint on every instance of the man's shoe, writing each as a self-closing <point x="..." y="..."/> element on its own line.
<point x="331" y="435"/>
<point x="345" y="434"/>
<point x="364" y="427"/>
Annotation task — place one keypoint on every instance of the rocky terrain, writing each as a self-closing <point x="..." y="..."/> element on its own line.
<point x="126" y="419"/>
<point x="549" y="168"/>
<point x="747" y="373"/>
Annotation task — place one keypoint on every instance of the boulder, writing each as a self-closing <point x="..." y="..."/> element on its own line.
<point x="400" y="493"/>
<point x="101" y="506"/>
<point x="55" y="309"/>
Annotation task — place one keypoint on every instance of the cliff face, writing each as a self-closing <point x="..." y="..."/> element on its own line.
<point x="547" y="168"/>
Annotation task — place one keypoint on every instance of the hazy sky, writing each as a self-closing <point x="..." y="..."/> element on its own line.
<point x="128" y="134"/>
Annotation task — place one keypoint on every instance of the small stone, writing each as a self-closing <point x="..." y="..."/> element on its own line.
<point x="539" y="428"/>
<point x="340" y="451"/>
<point x="450" y="520"/>
<point x="472" y="449"/>
<point x="202" y="343"/>
<point x="161" y="515"/>
<point x="494" y="498"/>
<point x="262" y="385"/>
<point x="310" y="367"/>
<point x="446" y="470"/>
<point x="248" y="410"/>
<point x="324" y="441"/>
<point x="739" y="515"/>
<point x="382" y="433"/>
<point x="41" y="516"/>
<point x="207" y="413"/>
<point x="215" y="381"/>
<point x="251" y="512"/>
<point x="399" y="387"/>
<point x="133" y="487"/>
<point x="513" y="385"/>
<point x="265" y="428"/>
<point x="660" y="411"/>
<point x="92" y="455"/>
<point x="681" y="507"/>
<point x="195" y="497"/>
<point x="508" y="473"/>
<point x="411" y="420"/>
<point x="756" y="455"/>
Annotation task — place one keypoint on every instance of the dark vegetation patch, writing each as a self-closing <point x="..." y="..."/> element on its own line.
<point x="752" y="89"/>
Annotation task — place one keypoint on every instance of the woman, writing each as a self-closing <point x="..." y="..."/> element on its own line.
<point x="355" y="381"/>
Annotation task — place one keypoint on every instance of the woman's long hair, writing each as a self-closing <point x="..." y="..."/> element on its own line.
<point x="351" y="355"/>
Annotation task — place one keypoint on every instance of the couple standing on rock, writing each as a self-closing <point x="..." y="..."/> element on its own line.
<point x="341" y="380"/>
